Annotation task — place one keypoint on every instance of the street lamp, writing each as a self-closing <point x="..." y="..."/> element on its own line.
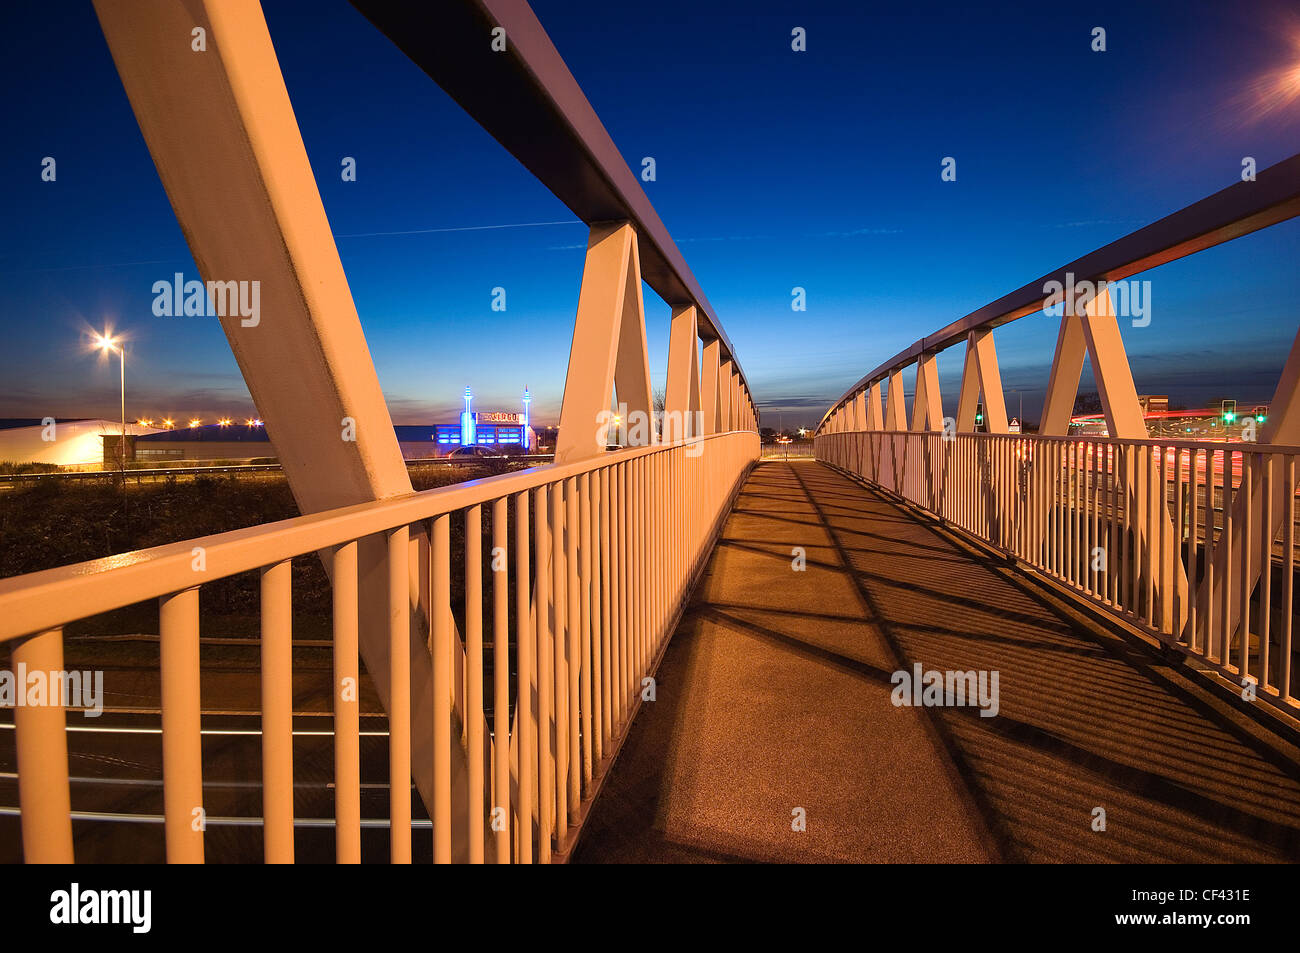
<point x="105" y="343"/>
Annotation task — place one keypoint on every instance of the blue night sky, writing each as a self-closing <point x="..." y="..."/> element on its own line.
<point x="776" y="169"/>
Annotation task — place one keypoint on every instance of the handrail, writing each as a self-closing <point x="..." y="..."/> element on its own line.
<point x="41" y="600"/>
<point x="1230" y="213"/>
<point x="1179" y="443"/>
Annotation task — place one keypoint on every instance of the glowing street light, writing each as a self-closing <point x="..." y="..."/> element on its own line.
<point x="194" y="423"/>
<point x="223" y="422"/>
<point x="106" y="343"/>
<point x="169" y="424"/>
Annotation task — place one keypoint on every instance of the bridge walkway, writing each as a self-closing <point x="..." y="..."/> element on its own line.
<point x="775" y="695"/>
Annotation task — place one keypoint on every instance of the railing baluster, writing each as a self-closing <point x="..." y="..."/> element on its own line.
<point x="1288" y="572"/>
<point x="573" y="642"/>
<point x="1072" y="528"/>
<point x="1176" y="546"/>
<point x="1114" y="561"/>
<point x="277" y="713"/>
<point x="1162" y="529"/>
<point x="1089" y="577"/>
<point x="545" y="678"/>
<point x="1208" y="623"/>
<point x="1100" y="521"/>
<point x="628" y="509"/>
<point x="501" y="679"/>
<point x="560" y="647"/>
<point x="41" y="743"/>
<point x="1225" y="540"/>
<point x="178" y="621"/>
<point x="642" y="500"/>
<point x="1155" y="496"/>
<point x="600" y="611"/>
<point x="585" y="586"/>
<point x="525" y="678"/>
<point x="475" y="724"/>
<point x="440" y="610"/>
<point x="399" y="691"/>
<point x="1247" y="584"/>
<point x="619" y="612"/>
<point x="1265" y="565"/>
<point x="1193" y="542"/>
<point x="347" y="707"/>
<point x="1063" y="510"/>
<point x="1129" y="498"/>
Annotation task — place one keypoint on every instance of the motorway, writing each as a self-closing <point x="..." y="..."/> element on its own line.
<point x="157" y="473"/>
<point x="115" y="766"/>
<point x="117" y="796"/>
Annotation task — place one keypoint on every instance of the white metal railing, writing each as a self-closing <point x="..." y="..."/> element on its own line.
<point x="1164" y="533"/>
<point x="608" y="547"/>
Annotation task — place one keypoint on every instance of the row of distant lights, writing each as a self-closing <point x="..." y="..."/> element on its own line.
<point x="196" y="422"/>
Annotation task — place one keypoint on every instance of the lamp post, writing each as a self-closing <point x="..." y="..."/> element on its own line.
<point x="105" y="344"/>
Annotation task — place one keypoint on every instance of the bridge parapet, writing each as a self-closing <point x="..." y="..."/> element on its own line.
<point x="1192" y="541"/>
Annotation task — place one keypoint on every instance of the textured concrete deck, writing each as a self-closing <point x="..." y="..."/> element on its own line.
<point x="774" y="694"/>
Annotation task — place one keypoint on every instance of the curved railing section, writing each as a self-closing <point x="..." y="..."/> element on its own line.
<point x="1193" y="541"/>
<point x="577" y="571"/>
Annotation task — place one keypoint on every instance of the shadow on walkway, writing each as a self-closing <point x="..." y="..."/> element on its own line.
<point x="774" y="698"/>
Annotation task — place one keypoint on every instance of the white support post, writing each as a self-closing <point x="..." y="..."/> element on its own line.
<point x="895" y="446"/>
<point x="927" y="416"/>
<point x="927" y="407"/>
<point x="1063" y="381"/>
<point x="875" y="419"/>
<point x="682" y="401"/>
<point x="724" y="396"/>
<point x="608" y="349"/>
<point x="981" y="378"/>
<point x="896" y="402"/>
<point x="710" y="362"/>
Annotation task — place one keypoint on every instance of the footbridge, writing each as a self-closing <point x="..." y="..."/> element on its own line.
<point x="939" y="640"/>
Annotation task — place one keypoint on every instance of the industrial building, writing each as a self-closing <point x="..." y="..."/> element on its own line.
<point x="64" y="442"/>
<point x="93" y="443"/>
